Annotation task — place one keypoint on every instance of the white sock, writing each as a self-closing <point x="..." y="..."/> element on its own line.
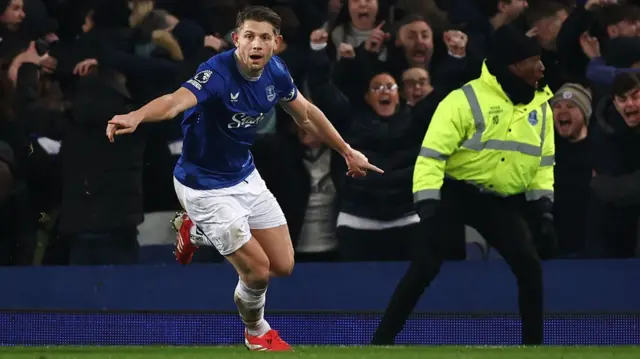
<point x="250" y="304"/>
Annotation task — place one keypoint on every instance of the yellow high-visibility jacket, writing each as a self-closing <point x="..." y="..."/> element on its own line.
<point x="479" y="136"/>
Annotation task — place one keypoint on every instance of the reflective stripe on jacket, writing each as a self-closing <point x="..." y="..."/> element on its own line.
<point x="479" y="136"/>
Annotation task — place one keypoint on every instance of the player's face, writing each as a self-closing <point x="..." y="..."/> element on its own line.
<point x="256" y="42"/>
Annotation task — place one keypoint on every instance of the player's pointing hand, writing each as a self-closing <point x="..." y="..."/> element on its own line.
<point x="358" y="164"/>
<point x="122" y="124"/>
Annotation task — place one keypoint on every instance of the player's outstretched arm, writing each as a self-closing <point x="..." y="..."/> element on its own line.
<point x="163" y="108"/>
<point x="311" y="119"/>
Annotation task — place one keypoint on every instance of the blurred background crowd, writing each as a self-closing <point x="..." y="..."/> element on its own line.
<point x="68" y="66"/>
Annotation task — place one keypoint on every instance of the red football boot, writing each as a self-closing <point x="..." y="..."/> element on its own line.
<point x="270" y="342"/>
<point x="184" y="251"/>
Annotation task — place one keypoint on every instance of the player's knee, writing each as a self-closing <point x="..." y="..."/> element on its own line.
<point x="283" y="268"/>
<point x="254" y="271"/>
<point x="258" y="273"/>
<point x="257" y="277"/>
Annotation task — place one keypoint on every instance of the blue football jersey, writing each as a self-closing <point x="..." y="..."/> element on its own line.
<point x="221" y="128"/>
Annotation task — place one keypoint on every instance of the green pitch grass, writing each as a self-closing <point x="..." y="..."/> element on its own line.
<point x="435" y="352"/>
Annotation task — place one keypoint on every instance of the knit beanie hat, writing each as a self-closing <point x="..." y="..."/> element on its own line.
<point x="510" y="45"/>
<point x="576" y="94"/>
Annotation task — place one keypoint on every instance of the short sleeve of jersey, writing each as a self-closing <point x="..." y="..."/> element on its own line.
<point x="285" y="87"/>
<point x="206" y="84"/>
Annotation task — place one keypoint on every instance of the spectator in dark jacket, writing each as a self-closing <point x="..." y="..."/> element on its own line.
<point x="572" y="172"/>
<point x="18" y="230"/>
<point x="102" y="184"/>
<point x="616" y="182"/>
<point x="103" y="197"/>
<point x="378" y="209"/>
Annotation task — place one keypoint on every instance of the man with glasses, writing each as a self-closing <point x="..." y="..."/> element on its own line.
<point x="416" y="85"/>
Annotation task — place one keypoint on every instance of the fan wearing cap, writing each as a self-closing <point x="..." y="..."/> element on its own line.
<point x="485" y="161"/>
<point x="574" y="163"/>
<point x="571" y="111"/>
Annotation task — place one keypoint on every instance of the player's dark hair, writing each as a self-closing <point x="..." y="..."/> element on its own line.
<point x="259" y="14"/>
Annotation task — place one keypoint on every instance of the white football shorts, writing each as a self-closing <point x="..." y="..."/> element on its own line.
<point x="226" y="216"/>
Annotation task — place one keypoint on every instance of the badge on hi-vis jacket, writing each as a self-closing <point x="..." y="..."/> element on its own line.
<point x="533" y="118"/>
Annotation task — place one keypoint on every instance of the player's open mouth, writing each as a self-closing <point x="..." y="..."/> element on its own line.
<point x="385" y="102"/>
<point x="255" y="57"/>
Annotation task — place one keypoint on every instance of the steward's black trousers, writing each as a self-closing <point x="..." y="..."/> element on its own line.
<point x="501" y="222"/>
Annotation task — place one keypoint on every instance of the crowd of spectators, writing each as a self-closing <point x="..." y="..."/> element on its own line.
<point x="377" y="68"/>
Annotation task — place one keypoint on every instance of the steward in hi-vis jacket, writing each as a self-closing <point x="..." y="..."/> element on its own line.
<point x="486" y="160"/>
